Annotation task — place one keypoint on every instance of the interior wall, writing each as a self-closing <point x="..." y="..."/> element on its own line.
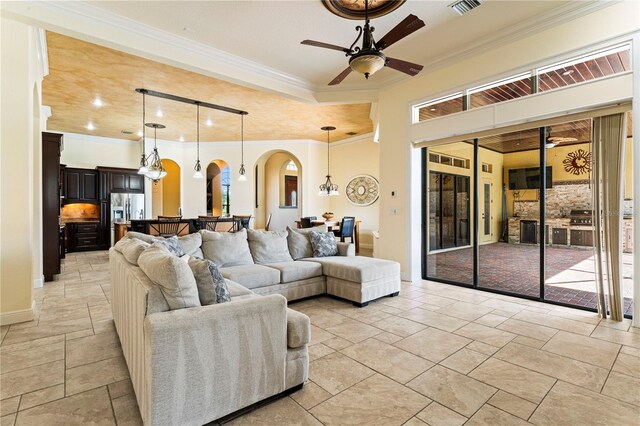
<point x="171" y="188"/>
<point x="214" y="172"/>
<point x="400" y="170"/>
<point x="273" y="190"/>
<point x="19" y="146"/>
<point x="360" y="157"/>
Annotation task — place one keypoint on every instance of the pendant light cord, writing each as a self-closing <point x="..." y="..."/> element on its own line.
<point x="144" y="119"/>
<point x="242" y="139"/>
<point x="328" y="173"/>
<point x="198" y="131"/>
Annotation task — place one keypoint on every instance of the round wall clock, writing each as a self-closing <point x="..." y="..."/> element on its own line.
<point x="363" y="190"/>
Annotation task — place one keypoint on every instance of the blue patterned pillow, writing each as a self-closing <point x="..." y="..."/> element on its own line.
<point x="324" y="244"/>
<point x="212" y="287"/>
<point x="172" y="244"/>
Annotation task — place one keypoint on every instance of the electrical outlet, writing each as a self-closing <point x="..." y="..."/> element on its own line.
<point x="393" y="194"/>
<point x="393" y="211"/>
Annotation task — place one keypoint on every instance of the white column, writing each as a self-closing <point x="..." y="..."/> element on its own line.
<point x="635" y="48"/>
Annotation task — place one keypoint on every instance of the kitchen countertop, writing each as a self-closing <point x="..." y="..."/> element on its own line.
<point x="78" y="220"/>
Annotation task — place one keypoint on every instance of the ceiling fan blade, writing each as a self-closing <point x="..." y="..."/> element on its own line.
<point x="340" y="77"/>
<point x="404" y="66"/>
<point x="325" y="45"/>
<point x="409" y="25"/>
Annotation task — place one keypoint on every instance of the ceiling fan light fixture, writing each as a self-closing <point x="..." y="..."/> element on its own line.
<point x="368" y="63"/>
<point x="550" y="145"/>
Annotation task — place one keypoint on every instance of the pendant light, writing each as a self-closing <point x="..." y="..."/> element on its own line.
<point x="197" y="173"/>
<point x="242" y="177"/>
<point x="328" y="188"/>
<point x="156" y="170"/>
<point x="143" y="170"/>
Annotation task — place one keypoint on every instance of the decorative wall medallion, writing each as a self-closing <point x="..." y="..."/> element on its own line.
<point x="577" y="162"/>
<point x="354" y="9"/>
<point x="363" y="190"/>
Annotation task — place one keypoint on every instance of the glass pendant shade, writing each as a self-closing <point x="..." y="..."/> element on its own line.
<point x="197" y="169"/>
<point x="328" y="188"/>
<point x="155" y="169"/>
<point x="367" y="64"/>
<point x="242" y="173"/>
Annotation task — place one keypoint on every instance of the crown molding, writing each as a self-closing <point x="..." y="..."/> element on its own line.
<point x="41" y="48"/>
<point x="354" y="139"/>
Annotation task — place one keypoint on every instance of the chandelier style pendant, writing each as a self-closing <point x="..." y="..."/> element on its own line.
<point x="328" y="188"/>
<point x="156" y="170"/>
<point x="242" y="177"/>
<point x="144" y="169"/>
<point x="197" y="169"/>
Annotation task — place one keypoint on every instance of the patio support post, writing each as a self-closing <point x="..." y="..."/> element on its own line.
<point x="635" y="52"/>
<point x="476" y="243"/>
<point x="542" y="204"/>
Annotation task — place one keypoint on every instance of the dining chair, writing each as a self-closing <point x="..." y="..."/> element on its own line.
<point x="307" y="222"/>
<point x="240" y="222"/>
<point x="347" y="227"/>
<point x="208" y="222"/>
<point x="168" y="225"/>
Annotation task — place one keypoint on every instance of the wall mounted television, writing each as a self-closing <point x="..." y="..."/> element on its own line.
<point x="528" y="178"/>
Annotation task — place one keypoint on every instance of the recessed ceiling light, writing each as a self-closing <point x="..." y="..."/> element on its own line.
<point x="159" y="113"/>
<point x="97" y="102"/>
<point x="209" y="122"/>
<point x="567" y="72"/>
<point x="181" y="138"/>
<point x="90" y="126"/>
<point x="139" y="133"/>
<point x="432" y="109"/>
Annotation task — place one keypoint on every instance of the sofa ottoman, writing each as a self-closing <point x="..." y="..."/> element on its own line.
<point x="360" y="279"/>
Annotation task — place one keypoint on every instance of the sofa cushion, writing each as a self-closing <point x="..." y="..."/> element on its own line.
<point x="268" y="246"/>
<point x="141" y="236"/>
<point x="298" y="329"/>
<point x="296" y="271"/>
<point x="190" y="244"/>
<point x="324" y="244"/>
<point x="131" y="249"/>
<point x="212" y="287"/>
<point x="236" y="290"/>
<point x="251" y="276"/>
<point x="226" y="248"/>
<point x="171" y="243"/>
<point x="357" y="269"/>
<point x="172" y="274"/>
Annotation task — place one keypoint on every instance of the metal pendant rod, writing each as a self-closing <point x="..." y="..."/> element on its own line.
<point x="191" y="101"/>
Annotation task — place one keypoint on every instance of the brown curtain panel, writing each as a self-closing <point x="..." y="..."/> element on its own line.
<point x="609" y="135"/>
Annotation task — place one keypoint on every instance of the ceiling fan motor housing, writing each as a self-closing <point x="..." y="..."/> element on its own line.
<point x="367" y="62"/>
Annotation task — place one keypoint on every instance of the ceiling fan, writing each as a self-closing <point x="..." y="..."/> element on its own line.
<point x="369" y="58"/>
<point x="553" y="141"/>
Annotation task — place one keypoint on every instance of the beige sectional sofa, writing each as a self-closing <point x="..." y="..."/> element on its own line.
<point x="199" y="364"/>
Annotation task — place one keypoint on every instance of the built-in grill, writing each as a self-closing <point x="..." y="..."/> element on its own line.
<point x="581" y="217"/>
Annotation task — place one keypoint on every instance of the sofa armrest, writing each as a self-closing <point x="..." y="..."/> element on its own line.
<point x="206" y="362"/>
<point x="346" y="249"/>
<point x="298" y="329"/>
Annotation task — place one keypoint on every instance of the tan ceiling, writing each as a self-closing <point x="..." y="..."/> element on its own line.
<point x="80" y="71"/>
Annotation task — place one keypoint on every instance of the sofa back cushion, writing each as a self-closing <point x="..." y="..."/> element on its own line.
<point x="299" y="242"/>
<point x="268" y="246"/>
<point x="212" y="287"/>
<point x="226" y="248"/>
<point x="178" y="246"/>
<point x="172" y="274"/>
<point x="131" y="249"/>
<point x="324" y="244"/>
<point x="191" y="244"/>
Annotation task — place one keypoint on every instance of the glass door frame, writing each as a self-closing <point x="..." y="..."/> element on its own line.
<point x="476" y="222"/>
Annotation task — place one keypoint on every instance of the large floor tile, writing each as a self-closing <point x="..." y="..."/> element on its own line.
<point x="567" y="369"/>
<point x="455" y="391"/>
<point x="583" y="348"/>
<point x="399" y="326"/>
<point x="9" y="405"/>
<point x="433" y="344"/>
<point x="337" y="372"/>
<point x="434" y="319"/>
<point x="101" y="373"/>
<point x="464" y="360"/>
<point x="353" y="331"/>
<point x="92" y="407"/>
<point x="310" y="395"/>
<point x="617" y="336"/>
<point x="485" y="334"/>
<point x="395" y="363"/>
<point x="572" y="405"/>
<point x="284" y="411"/>
<point x="627" y="364"/>
<point x="465" y="311"/>
<point x="565" y="324"/>
<point x="374" y="401"/>
<point x="30" y="379"/>
<point x="30" y="357"/>
<point x="489" y="415"/>
<point x="41" y="396"/>
<point x="623" y="387"/>
<point x="511" y="378"/>
<point x="126" y="411"/>
<point x="438" y="415"/>
<point x="534" y="331"/>
<point x="513" y="404"/>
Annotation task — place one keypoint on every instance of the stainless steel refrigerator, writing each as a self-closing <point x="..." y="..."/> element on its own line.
<point x="124" y="207"/>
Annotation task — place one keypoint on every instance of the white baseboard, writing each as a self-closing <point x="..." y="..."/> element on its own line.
<point x="14" y="317"/>
<point x="39" y="282"/>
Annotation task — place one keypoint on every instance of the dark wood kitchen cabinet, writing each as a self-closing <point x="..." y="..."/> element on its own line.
<point x="581" y="237"/>
<point x="83" y="236"/>
<point x="80" y="185"/>
<point x="51" y="147"/>
<point x="126" y="181"/>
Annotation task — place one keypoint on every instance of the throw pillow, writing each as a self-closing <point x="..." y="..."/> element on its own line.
<point x="131" y="249"/>
<point x="141" y="236"/>
<point x="324" y="244"/>
<point x="226" y="248"/>
<point x="268" y="246"/>
<point x="171" y="243"/>
<point x="190" y="244"/>
<point x="299" y="242"/>
<point x="212" y="287"/>
<point x="172" y="274"/>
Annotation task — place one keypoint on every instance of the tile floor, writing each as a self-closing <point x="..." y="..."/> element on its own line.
<point x="436" y="355"/>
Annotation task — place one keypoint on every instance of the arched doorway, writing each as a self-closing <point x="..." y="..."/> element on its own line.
<point x="218" y="188"/>
<point x="165" y="194"/>
<point x="278" y="190"/>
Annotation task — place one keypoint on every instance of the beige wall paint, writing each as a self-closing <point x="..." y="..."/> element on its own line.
<point x="20" y="213"/>
<point x="273" y="188"/>
<point x="350" y="159"/>
<point x="400" y="170"/>
<point x="171" y="189"/>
